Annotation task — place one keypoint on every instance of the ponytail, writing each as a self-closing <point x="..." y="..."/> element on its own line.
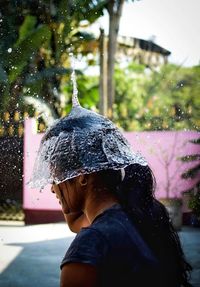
<point x="136" y="195"/>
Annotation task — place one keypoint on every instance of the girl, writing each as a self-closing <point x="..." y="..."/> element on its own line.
<point x="124" y="235"/>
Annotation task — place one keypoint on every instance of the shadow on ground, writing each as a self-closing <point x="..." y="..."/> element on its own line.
<point x="190" y="239"/>
<point x="37" y="264"/>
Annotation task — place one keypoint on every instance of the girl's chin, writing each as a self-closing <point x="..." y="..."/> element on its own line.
<point x="66" y="210"/>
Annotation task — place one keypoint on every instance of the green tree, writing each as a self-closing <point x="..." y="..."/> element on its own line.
<point x="193" y="173"/>
<point x="16" y="59"/>
<point x="172" y="100"/>
<point x="36" y="37"/>
<point x="167" y="99"/>
<point x="129" y="91"/>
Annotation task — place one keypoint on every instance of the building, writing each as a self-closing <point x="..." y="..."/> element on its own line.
<point x="141" y="51"/>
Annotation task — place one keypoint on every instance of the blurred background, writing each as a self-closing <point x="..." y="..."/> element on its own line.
<point x="136" y="62"/>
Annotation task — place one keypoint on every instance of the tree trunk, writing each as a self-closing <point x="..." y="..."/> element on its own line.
<point x="103" y="74"/>
<point x="114" y="10"/>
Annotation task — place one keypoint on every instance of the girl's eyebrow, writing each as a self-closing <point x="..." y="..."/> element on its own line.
<point x="52" y="190"/>
<point x="57" y="186"/>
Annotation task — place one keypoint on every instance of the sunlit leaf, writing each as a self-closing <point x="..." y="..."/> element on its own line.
<point x="26" y="50"/>
<point x="25" y="29"/>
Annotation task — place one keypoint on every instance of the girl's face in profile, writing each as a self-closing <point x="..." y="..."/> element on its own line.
<point x="56" y="188"/>
<point x="69" y="195"/>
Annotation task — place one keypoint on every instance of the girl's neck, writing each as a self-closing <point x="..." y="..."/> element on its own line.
<point x="95" y="206"/>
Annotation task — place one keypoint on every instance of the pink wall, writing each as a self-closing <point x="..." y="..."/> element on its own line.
<point x="161" y="149"/>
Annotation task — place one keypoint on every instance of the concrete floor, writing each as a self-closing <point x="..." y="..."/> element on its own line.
<point x="30" y="255"/>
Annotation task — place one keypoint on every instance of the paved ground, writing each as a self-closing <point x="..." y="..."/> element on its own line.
<point x="30" y="255"/>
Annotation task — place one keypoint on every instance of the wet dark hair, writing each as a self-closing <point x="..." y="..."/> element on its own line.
<point x="136" y="195"/>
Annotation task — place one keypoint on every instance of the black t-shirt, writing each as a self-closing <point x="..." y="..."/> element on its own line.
<point x="113" y="244"/>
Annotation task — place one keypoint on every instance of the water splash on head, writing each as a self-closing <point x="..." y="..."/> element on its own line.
<point x="75" y="101"/>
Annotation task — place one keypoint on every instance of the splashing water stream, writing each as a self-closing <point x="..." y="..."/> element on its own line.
<point x="75" y="101"/>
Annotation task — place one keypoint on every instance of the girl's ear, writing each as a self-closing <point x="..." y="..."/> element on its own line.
<point x="83" y="180"/>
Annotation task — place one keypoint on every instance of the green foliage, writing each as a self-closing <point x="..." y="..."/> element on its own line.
<point x="129" y="91"/>
<point x="192" y="157"/>
<point x="193" y="173"/>
<point x="172" y="96"/>
<point x="167" y="99"/>
<point x="47" y="74"/>
<point x="195" y="141"/>
<point x="3" y="75"/>
<point x="27" y="26"/>
<point x="194" y="203"/>
<point x="36" y="37"/>
<point x="87" y="92"/>
<point x="25" y="49"/>
<point x="34" y="62"/>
